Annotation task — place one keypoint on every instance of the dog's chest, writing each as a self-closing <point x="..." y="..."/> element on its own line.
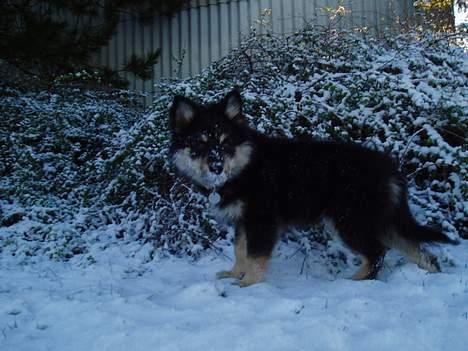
<point x="231" y="211"/>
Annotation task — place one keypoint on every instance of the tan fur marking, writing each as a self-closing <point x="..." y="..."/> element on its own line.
<point x="233" y="107"/>
<point x="184" y="115"/>
<point x="413" y="252"/>
<point x="239" y="268"/>
<point x="395" y="191"/>
<point x="255" y="271"/>
<point x="193" y="167"/>
<point x="185" y="163"/>
<point x="363" y="272"/>
<point x="231" y="212"/>
<point x="234" y="165"/>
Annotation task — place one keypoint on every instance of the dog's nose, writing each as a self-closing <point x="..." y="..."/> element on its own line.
<point x="216" y="167"/>
<point x="215" y="161"/>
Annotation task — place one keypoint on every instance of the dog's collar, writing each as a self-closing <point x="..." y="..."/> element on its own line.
<point x="216" y="195"/>
<point x="213" y="194"/>
<point x="214" y="198"/>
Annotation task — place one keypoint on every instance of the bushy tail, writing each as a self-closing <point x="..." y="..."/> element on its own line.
<point x="412" y="230"/>
<point x="421" y="234"/>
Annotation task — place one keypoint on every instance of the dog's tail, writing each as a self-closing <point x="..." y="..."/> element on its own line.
<point x="425" y="234"/>
<point x="412" y="230"/>
<point x="403" y="221"/>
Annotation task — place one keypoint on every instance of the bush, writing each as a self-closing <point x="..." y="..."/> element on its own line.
<point x="53" y="146"/>
<point x="406" y="95"/>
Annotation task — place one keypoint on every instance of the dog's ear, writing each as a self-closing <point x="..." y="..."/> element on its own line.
<point x="233" y="106"/>
<point x="182" y="113"/>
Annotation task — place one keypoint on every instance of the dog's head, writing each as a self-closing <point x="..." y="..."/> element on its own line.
<point x="210" y="144"/>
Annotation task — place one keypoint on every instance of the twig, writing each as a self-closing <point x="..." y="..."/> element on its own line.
<point x="419" y="170"/>
<point x="249" y="61"/>
<point x="303" y="264"/>
<point x="402" y="158"/>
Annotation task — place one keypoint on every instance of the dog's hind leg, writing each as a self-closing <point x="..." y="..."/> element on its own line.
<point x="370" y="267"/>
<point x="362" y="240"/>
<point x="240" y="250"/>
<point x="413" y="251"/>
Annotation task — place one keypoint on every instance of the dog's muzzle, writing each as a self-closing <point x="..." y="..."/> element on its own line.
<point x="215" y="162"/>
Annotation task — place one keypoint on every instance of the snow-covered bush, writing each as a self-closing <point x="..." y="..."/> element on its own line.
<point x="405" y="95"/>
<point x="78" y="174"/>
<point x="53" y="145"/>
<point x="54" y="142"/>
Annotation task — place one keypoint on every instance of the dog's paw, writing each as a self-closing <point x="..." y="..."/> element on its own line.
<point x="247" y="281"/>
<point x="229" y="274"/>
<point x="225" y="275"/>
<point x="240" y="283"/>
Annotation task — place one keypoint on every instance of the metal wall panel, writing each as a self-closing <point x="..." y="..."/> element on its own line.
<point x="208" y="29"/>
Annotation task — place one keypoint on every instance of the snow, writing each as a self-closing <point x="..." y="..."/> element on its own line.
<point x="120" y="303"/>
<point x="88" y="236"/>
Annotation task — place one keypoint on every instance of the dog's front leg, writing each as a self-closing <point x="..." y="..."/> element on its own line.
<point x="255" y="270"/>
<point x="261" y="236"/>
<point x="240" y="250"/>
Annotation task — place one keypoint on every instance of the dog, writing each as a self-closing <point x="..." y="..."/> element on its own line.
<point x="263" y="184"/>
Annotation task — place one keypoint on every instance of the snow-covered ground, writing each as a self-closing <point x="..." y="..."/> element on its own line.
<point x="119" y="303"/>
<point x="84" y="180"/>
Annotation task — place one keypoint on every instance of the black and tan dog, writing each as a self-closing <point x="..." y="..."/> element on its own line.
<point x="264" y="184"/>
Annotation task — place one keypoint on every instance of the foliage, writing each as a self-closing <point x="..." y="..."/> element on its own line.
<point x="439" y="15"/>
<point x="47" y="38"/>
<point x="108" y="181"/>
<point x="52" y="147"/>
<point x="404" y="95"/>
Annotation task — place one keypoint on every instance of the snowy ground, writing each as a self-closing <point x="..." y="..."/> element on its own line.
<point x="172" y="304"/>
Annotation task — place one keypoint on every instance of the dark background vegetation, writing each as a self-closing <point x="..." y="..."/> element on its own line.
<point x="83" y="166"/>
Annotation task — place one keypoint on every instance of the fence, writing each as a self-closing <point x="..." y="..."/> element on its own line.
<point x="208" y="29"/>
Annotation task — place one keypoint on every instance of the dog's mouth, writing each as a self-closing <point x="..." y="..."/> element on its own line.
<point x="213" y="172"/>
<point x="211" y="175"/>
<point x="214" y="180"/>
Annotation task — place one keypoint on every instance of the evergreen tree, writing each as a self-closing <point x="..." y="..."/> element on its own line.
<point x="47" y="38"/>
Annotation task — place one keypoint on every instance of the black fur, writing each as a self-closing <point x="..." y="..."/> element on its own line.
<point x="287" y="182"/>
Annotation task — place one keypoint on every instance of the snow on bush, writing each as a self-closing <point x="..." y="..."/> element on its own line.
<point x="406" y="95"/>
<point x="53" y="146"/>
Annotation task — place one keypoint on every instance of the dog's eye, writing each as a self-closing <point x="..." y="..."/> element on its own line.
<point x="225" y="140"/>
<point x="228" y="146"/>
<point x="195" y="152"/>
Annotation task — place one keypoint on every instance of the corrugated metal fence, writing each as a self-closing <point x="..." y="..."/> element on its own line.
<point x="208" y="29"/>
